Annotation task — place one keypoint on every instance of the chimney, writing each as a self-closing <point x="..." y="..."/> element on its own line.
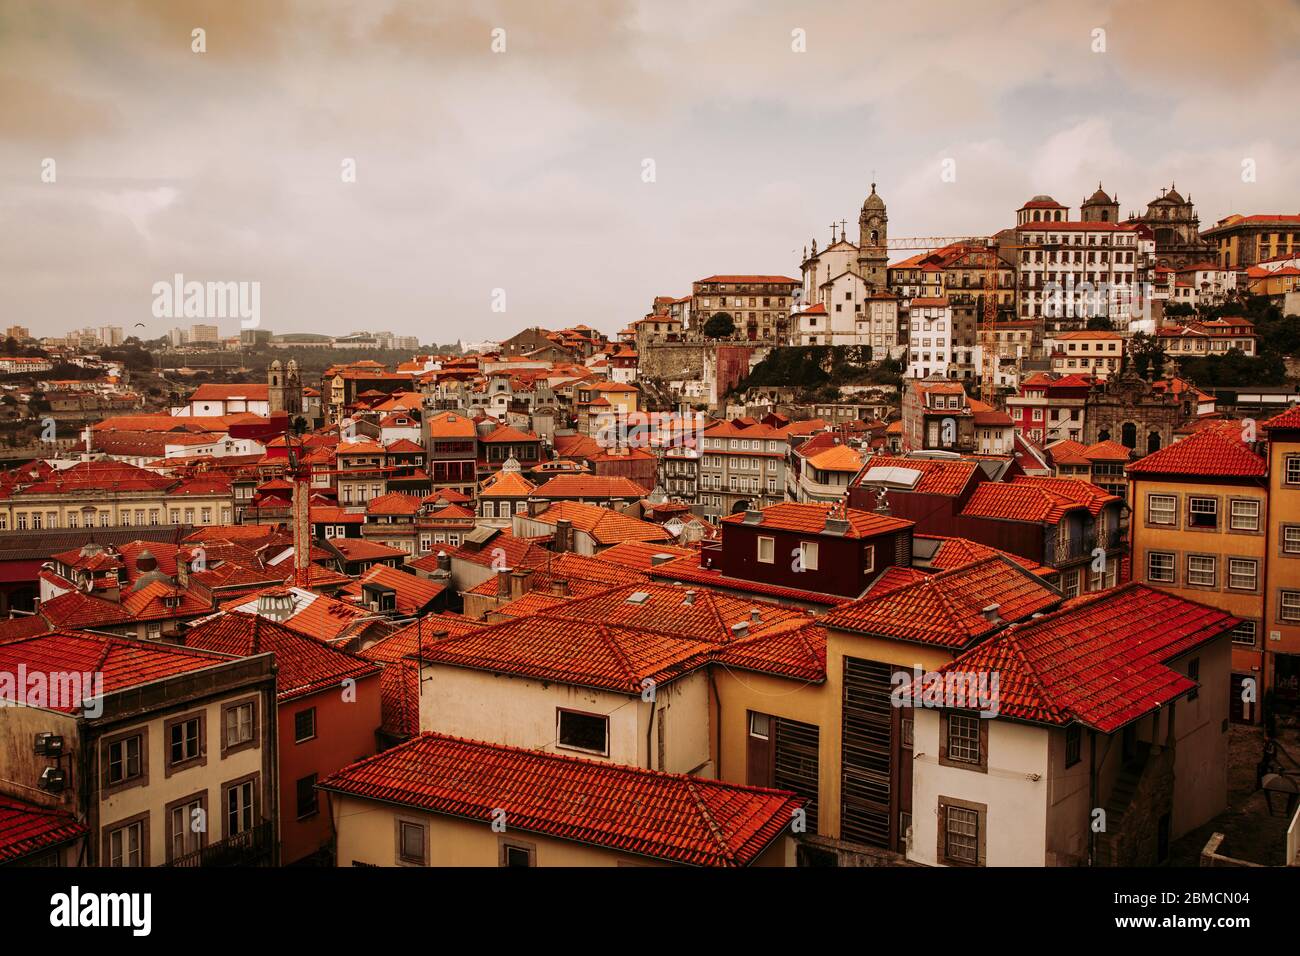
<point x="689" y="599"/>
<point x="444" y="561"/>
<point x="520" y="582"/>
<point x="991" y="613"/>
<point x="560" y="587"/>
<point x="740" y="629"/>
<point x="755" y="615"/>
<point x="563" y="532"/>
<point x="536" y="506"/>
<point x="503" y="582"/>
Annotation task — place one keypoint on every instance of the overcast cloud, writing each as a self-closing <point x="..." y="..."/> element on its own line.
<point x="522" y="170"/>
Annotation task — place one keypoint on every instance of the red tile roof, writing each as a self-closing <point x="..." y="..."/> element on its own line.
<point x="77" y="609"/>
<point x="506" y="484"/>
<point x="26" y="828"/>
<point x="937" y="477"/>
<point x="150" y="603"/>
<point x="810" y="518"/>
<point x="393" y="503"/>
<point x="673" y="817"/>
<point x="362" y="549"/>
<point x="1101" y="661"/>
<point x="590" y="486"/>
<point x="123" y="662"/>
<point x="1286" y="420"/>
<point x="412" y="593"/>
<point x="640" y="555"/>
<point x="947" y="609"/>
<point x="303" y="666"/>
<point x="1210" y="453"/>
<point x="585" y="654"/>
<point x="604" y="525"/>
<point x="1043" y="500"/>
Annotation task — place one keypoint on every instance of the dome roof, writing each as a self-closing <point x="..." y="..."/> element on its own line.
<point x="144" y="580"/>
<point x="1099" y="197"/>
<point x="873" y="201"/>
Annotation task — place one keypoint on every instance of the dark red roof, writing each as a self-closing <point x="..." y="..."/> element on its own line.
<point x="1101" y="660"/>
<point x="26" y="828"/>
<point x="303" y="665"/>
<point x="1210" y="453"/>
<point x="674" y="817"/>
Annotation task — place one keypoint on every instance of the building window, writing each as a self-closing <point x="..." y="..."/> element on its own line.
<point x="126" y="845"/>
<point x="962" y="832"/>
<point x="808" y="555"/>
<point x="411" y="843"/>
<point x="586" y="732"/>
<point x="1244" y="515"/>
<point x="1244" y="633"/>
<point x="1290" y="606"/>
<point x="124" y="762"/>
<point x="239" y="807"/>
<point x="1160" y="567"/>
<point x="1291" y="539"/>
<point x="1293" y="469"/>
<point x="1202" y="570"/>
<point x="304" y="725"/>
<point x="766" y="550"/>
<point x="517" y="854"/>
<point x="760" y="725"/>
<point x="963" y="739"/>
<point x="1203" y="513"/>
<point x="306" y="794"/>
<point x="184" y="741"/>
<point x="1243" y="574"/>
<point x="1073" y="744"/>
<point x="238" y="726"/>
<point x="186" y="826"/>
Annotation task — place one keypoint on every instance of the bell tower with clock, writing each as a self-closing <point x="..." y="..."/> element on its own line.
<point x="873" y="236"/>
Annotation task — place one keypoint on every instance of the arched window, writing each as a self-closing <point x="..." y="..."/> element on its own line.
<point x="1103" y="435"/>
<point x="1129" y="435"/>
<point x="1153" y="442"/>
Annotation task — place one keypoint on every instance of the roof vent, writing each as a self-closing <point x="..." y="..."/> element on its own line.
<point x="689" y="599"/>
<point x="755" y="615"/>
<point x="740" y="629"/>
<point x="658" y="559"/>
<point x="638" y="597"/>
<point x="753" y="516"/>
<point x="991" y="613"/>
<point x="837" y="526"/>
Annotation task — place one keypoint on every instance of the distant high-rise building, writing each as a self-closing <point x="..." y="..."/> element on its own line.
<point x="18" y="333"/>
<point x="204" y="334"/>
<point x="111" y="336"/>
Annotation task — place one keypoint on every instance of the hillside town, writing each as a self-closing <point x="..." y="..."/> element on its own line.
<point x="954" y="551"/>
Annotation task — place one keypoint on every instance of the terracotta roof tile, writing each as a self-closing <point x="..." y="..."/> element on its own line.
<point x="26" y="828"/>
<point x="947" y="609"/>
<point x="1101" y="661"/>
<point x="303" y="666"/>
<point x="811" y="517"/>
<point x="672" y="817"/>
<point x="1213" y="452"/>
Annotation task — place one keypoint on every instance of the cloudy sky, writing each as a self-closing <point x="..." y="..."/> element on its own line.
<point x="524" y="170"/>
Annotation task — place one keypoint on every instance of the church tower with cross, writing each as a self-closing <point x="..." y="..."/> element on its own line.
<point x="873" y="237"/>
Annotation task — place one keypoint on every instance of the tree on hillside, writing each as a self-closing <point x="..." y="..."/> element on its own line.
<point x="720" y="326"/>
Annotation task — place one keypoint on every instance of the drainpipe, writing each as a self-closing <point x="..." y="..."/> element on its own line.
<point x="717" y="727"/>
<point x="1092" y="795"/>
<point x="649" y="730"/>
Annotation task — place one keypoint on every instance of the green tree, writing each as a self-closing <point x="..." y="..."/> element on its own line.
<point x="1100" y="323"/>
<point x="720" y="326"/>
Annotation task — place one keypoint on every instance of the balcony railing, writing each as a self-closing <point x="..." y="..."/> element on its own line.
<point x="250" y="848"/>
